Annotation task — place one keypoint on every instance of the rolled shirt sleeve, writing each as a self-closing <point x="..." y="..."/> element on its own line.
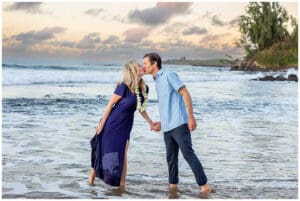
<point x="174" y="81"/>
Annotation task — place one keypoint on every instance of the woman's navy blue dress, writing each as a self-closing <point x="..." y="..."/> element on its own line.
<point x="108" y="148"/>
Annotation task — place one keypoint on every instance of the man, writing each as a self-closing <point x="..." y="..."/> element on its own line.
<point x="177" y="120"/>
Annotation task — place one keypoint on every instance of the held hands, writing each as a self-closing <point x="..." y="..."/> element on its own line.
<point x="156" y="126"/>
<point x="99" y="128"/>
<point x="192" y="123"/>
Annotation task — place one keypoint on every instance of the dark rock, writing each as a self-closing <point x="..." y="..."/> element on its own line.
<point x="267" y="78"/>
<point x="280" y="78"/>
<point x="235" y="68"/>
<point x="293" y="77"/>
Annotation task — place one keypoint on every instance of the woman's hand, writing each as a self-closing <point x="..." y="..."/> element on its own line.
<point x="156" y="126"/>
<point x="99" y="127"/>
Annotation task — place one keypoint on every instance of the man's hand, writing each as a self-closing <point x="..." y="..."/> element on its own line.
<point x="156" y="126"/>
<point x="192" y="123"/>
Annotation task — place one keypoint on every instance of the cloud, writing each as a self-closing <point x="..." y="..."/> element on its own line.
<point x="211" y="37"/>
<point x="32" y="43"/>
<point x="179" y="48"/>
<point x="216" y="21"/>
<point x="216" y="42"/>
<point x="89" y="41"/>
<point x="146" y="43"/>
<point x="28" y="7"/>
<point x="32" y="37"/>
<point x="135" y="35"/>
<point x="178" y="43"/>
<point x="194" y="30"/>
<point x="111" y="39"/>
<point x="122" y="51"/>
<point x="207" y="14"/>
<point x="93" y="12"/>
<point x="175" y="27"/>
<point x="69" y="44"/>
<point x="161" y="13"/>
<point x="119" y="18"/>
<point x="46" y="37"/>
<point x="5" y="39"/>
<point x="231" y="23"/>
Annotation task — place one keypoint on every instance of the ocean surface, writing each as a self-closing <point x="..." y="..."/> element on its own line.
<point x="246" y="139"/>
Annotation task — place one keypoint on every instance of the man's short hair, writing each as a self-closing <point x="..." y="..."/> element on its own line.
<point x="154" y="57"/>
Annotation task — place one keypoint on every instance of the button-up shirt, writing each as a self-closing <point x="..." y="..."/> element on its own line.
<point x="172" y="108"/>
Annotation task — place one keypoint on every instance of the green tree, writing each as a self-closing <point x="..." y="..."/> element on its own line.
<point x="263" y="25"/>
<point x="294" y="34"/>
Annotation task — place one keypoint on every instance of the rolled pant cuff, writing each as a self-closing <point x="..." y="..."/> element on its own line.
<point x="203" y="183"/>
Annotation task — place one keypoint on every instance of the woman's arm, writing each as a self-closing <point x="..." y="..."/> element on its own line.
<point x="154" y="126"/>
<point x="114" y="99"/>
<point x="146" y="117"/>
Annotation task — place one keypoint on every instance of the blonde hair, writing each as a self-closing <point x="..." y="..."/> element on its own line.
<point x="143" y="86"/>
<point x="130" y="75"/>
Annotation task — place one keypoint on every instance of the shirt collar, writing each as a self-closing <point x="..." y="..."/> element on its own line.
<point x="158" y="74"/>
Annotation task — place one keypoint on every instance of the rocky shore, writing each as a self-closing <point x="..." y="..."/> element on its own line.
<point x="291" y="77"/>
<point x="254" y="66"/>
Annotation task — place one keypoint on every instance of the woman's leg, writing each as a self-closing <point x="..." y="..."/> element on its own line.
<point x="123" y="178"/>
<point x="92" y="177"/>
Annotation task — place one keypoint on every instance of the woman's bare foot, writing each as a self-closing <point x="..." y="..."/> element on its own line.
<point x="118" y="191"/>
<point x="122" y="188"/>
<point x="92" y="177"/>
<point x="91" y="183"/>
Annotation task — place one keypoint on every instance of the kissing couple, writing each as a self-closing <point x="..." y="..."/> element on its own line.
<point x="177" y="121"/>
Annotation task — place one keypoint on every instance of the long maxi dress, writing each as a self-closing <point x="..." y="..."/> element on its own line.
<point x="108" y="148"/>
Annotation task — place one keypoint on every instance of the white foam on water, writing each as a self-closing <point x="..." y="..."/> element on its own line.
<point x="291" y="71"/>
<point x="25" y="77"/>
<point x="17" y="188"/>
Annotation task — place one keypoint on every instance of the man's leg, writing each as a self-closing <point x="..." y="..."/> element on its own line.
<point x="172" y="158"/>
<point x="183" y="138"/>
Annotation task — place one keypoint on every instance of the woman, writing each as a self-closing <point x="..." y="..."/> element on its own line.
<point x="110" y="144"/>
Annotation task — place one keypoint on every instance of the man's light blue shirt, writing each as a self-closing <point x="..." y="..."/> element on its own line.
<point x="171" y="104"/>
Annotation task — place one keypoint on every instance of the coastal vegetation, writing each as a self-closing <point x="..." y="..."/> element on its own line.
<point x="266" y="39"/>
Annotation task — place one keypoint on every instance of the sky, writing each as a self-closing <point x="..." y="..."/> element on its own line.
<point x="102" y="32"/>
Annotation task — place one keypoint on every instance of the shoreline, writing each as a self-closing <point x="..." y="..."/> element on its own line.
<point x="254" y="66"/>
<point x="218" y="62"/>
<point x="234" y="65"/>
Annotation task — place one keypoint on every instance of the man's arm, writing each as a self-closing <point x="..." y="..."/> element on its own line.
<point x="188" y="103"/>
<point x="153" y="125"/>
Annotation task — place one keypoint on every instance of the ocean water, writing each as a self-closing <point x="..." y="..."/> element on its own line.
<point x="246" y="139"/>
